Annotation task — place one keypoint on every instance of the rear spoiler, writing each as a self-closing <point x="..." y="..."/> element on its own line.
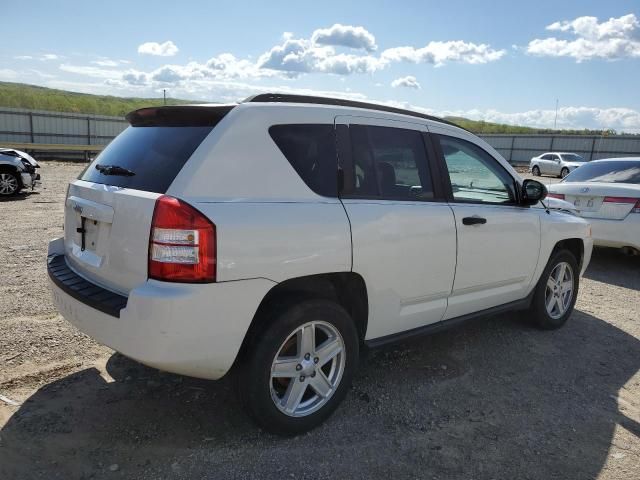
<point x="178" y="116"/>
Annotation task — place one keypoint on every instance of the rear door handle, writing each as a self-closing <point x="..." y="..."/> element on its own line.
<point x="475" y="220"/>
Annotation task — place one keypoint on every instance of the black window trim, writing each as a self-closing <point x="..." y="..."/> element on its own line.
<point x="345" y="162"/>
<point x="446" y="179"/>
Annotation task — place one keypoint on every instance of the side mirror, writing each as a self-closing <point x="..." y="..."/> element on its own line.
<point x="532" y="192"/>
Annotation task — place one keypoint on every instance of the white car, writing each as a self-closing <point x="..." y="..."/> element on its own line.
<point x="558" y="164"/>
<point x="607" y="193"/>
<point x="17" y="171"/>
<point x="277" y="237"/>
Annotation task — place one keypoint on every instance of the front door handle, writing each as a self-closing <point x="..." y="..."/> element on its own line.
<point x="475" y="220"/>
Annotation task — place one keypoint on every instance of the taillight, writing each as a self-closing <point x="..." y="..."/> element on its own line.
<point x="559" y="196"/>
<point x="182" y="243"/>
<point x="633" y="200"/>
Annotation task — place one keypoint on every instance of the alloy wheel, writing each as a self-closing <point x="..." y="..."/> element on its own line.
<point x="307" y="369"/>
<point x="559" y="291"/>
<point x="8" y="184"/>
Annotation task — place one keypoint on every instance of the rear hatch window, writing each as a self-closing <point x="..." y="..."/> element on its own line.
<point x="151" y="152"/>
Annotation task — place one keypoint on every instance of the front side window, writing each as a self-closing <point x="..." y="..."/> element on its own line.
<point x="311" y="151"/>
<point x="475" y="175"/>
<point x="572" y="157"/>
<point x="390" y="163"/>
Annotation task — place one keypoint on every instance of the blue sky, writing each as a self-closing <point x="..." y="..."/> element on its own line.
<point x="499" y="61"/>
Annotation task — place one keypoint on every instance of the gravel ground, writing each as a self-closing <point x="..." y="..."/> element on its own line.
<point x="493" y="399"/>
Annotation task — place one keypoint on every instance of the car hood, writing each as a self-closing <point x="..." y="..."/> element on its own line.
<point x="22" y="154"/>
<point x="574" y="164"/>
<point x="559" y="205"/>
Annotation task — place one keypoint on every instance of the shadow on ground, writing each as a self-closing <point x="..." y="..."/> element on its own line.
<point x="494" y="399"/>
<point x="610" y="265"/>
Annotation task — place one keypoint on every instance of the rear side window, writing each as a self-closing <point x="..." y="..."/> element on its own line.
<point x="311" y="151"/>
<point x="154" y="154"/>
<point x="390" y="163"/>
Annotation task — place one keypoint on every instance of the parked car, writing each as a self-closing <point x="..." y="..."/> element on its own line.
<point x="278" y="237"/>
<point x="558" y="164"/>
<point x="17" y="171"/>
<point x="607" y="193"/>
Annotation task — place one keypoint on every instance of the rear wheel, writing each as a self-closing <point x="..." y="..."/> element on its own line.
<point x="564" y="172"/>
<point x="9" y="184"/>
<point x="298" y="369"/>
<point x="536" y="171"/>
<point x="556" y="292"/>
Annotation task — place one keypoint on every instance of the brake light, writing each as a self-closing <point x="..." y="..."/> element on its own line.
<point x="620" y="200"/>
<point x="182" y="243"/>
<point x="559" y="196"/>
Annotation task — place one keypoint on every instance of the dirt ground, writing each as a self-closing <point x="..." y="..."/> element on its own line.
<point x="493" y="399"/>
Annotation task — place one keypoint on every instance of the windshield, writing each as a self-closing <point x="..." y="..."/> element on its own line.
<point x="622" y="171"/>
<point x="572" y="157"/>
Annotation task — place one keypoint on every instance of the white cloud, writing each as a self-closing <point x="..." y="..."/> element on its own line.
<point x="345" y="36"/>
<point x="166" y="49"/>
<point x="572" y="117"/>
<point x="49" y="56"/>
<point x="23" y="57"/>
<point x="107" y="62"/>
<point x="409" y="82"/>
<point x="439" y="53"/>
<point x="612" y="39"/>
<point x="90" y="71"/>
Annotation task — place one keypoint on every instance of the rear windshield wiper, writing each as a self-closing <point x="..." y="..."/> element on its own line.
<point x="114" y="170"/>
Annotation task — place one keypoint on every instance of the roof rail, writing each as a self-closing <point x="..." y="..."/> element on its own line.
<point x="287" y="98"/>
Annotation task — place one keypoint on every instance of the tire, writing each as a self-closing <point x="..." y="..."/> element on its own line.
<point x="265" y="396"/>
<point x="9" y="183"/>
<point x="536" y="171"/>
<point x="563" y="302"/>
<point x="564" y="172"/>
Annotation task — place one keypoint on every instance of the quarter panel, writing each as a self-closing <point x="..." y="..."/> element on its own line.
<point x="279" y="240"/>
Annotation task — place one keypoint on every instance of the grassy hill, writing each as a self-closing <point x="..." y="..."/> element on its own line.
<point x="20" y="95"/>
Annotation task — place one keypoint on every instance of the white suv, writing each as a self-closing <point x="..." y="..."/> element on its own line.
<point x="281" y="235"/>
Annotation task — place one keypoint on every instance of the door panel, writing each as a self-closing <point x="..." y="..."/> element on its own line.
<point x="498" y="241"/>
<point x="403" y="235"/>
<point x="496" y="260"/>
<point x="406" y="254"/>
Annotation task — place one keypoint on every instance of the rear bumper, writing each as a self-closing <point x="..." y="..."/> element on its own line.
<point x="189" y="329"/>
<point x="616" y="233"/>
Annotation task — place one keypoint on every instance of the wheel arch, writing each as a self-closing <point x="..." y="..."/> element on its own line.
<point x="574" y="245"/>
<point x="348" y="289"/>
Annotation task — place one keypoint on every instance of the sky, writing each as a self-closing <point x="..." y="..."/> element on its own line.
<point x="500" y="61"/>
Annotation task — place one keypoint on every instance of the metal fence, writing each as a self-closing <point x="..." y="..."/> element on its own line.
<point x="55" y="134"/>
<point x="77" y="136"/>
<point x="518" y="149"/>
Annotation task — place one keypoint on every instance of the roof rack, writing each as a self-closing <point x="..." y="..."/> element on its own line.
<point x="287" y="98"/>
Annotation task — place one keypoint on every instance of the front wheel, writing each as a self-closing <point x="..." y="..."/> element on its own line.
<point x="564" y="172"/>
<point x="299" y="368"/>
<point x="536" y="171"/>
<point x="556" y="292"/>
<point x="9" y="184"/>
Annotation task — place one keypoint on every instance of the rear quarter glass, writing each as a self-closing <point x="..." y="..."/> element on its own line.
<point x="155" y="154"/>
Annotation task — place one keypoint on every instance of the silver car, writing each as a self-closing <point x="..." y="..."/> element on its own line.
<point x="17" y="171"/>
<point x="558" y="164"/>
